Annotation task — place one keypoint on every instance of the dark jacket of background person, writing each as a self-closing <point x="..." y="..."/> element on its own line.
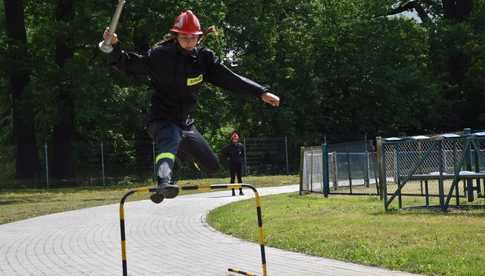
<point x="234" y="153"/>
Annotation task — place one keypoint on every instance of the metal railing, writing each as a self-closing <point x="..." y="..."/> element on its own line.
<point x="114" y="161"/>
<point x="337" y="172"/>
<point x="436" y="164"/>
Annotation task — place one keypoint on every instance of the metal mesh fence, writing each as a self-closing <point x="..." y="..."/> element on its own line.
<point x="266" y="155"/>
<point x="434" y="166"/>
<point x="110" y="161"/>
<point x="114" y="161"/>
<point x="412" y="152"/>
<point x="348" y="172"/>
<point x="428" y="170"/>
<point x="312" y="170"/>
<point x="355" y="167"/>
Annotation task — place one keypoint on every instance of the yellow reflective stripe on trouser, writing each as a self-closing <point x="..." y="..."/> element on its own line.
<point x="196" y="80"/>
<point x="163" y="155"/>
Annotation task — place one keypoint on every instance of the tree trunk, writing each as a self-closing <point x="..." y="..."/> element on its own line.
<point x="62" y="154"/>
<point x="27" y="161"/>
<point x="456" y="12"/>
<point x="143" y="142"/>
<point x="144" y="152"/>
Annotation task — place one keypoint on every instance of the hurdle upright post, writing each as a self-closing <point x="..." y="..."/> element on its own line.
<point x="200" y="188"/>
<point x="261" y="238"/>
<point x="124" y="261"/>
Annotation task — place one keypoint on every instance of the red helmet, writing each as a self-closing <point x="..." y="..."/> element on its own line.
<point x="187" y="23"/>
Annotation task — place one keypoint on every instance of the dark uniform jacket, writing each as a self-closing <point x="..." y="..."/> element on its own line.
<point x="234" y="152"/>
<point x="177" y="76"/>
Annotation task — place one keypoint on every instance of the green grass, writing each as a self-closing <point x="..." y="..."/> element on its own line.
<point x="26" y="203"/>
<point x="357" y="229"/>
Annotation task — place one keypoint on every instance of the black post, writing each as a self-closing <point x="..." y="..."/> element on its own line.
<point x="326" y="169"/>
<point x="476" y="155"/>
<point x="426" y="190"/>
<point x="366" y="163"/>
<point x="468" y="166"/>
<point x="349" y="170"/>
<point x="302" y="161"/>
<point x="398" y="172"/>
<point x="440" y="180"/>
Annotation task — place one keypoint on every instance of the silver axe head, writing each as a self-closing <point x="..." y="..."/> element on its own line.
<point x="105" y="45"/>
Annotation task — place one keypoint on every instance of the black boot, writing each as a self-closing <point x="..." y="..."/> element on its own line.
<point x="167" y="188"/>
<point x="156" y="198"/>
<point x="240" y="191"/>
<point x="233" y="192"/>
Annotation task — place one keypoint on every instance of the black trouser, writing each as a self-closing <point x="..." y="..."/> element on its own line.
<point x="235" y="170"/>
<point x="186" y="143"/>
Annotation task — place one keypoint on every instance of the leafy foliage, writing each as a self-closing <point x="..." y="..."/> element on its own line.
<point x="341" y="67"/>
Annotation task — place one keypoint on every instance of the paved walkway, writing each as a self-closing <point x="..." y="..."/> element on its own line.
<point x="168" y="239"/>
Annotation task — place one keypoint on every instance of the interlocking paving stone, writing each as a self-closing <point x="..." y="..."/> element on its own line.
<point x="172" y="238"/>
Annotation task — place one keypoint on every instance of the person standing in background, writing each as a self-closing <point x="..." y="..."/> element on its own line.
<point x="234" y="153"/>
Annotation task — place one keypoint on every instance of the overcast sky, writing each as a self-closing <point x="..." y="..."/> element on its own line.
<point x="413" y="15"/>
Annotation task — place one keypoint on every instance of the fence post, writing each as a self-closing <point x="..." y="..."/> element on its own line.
<point x="468" y="166"/>
<point x="334" y="170"/>
<point x="476" y="156"/>
<point x="102" y="164"/>
<point x="286" y="154"/>
<point x="302" y="156"/>
<point x="375" y="170"/>
<point x="395" y="165"/>
<point x="366" y="163"/>
<point x="349" y="171"/>
<point x="325" y="170"/>
<point x="380" y="169"/>
<point x="310" y="187"/>
<point x="46" y="156"/>
<point x="245" y="157"/>
<point x="398" y="173"/>
<point x="440" y="180"/>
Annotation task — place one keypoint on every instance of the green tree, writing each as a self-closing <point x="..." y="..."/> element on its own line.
<point x="377" y="78"/>
<point x="454" y="30"/>
<point x="18" y="67"/>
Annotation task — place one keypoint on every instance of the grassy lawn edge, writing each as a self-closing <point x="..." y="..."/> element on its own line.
<point x="356" y="229"/>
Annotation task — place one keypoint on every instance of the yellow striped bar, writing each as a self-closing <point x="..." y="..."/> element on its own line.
<point x="123" y="250"/>
<point x="122" y="230"/>
<point x="122" y="223"/>
<point x="227" y="186"/>
<point x="261" y="236"/>
<point x="190" y="187"/>
<point x="142" y="190"/>
<point x="199" y="188"/>
<point x="265" y="272"/>
<point x="261" y="232"/>
<point x="195" y="188"/>
<point x="258" y="201"/>
<point x="122" y="212"/>
<point x="241" y="272"/>
<point x="210" y="187"/>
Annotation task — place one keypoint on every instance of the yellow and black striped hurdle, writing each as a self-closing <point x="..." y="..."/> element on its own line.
<point x="199" y="188"/>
